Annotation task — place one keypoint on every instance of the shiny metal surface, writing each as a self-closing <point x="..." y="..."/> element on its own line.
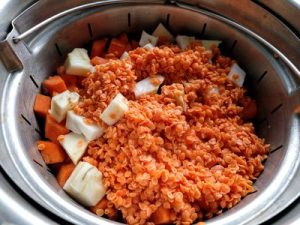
<point x="277" y="92"/>
<point x="15" y="210"/>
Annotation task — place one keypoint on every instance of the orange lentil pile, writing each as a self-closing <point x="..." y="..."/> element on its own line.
<point x="193" y="158"/>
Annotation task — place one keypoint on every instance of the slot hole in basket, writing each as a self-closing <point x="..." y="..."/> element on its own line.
<point x="33" y="81"/>
<point x="262" y="76"/>
<point x="276" y="108"/>
<point x="129" y="19"/>
<point x="275" y="149"/>
<point x="90" y="30"/>
<point x="26" y="120"/>
<point x="58" y="49"/>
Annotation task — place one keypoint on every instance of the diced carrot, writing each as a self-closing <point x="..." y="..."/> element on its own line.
<point x="54" y="84"/>
<point x="124" y="38"/>
<point x="98" y="60"/>
<point x="98" y="47"/>
<point x="70" y="80"/>
<point x="128" y="47"/>
<point x="161" y="216"/>
<point x="117" y="47"/>
<point x="61" y="70"/>
<point x="250" y="110"/>
<point x="54" y="129"/>
<point x="102" y="205"/>
<point x="51" y="152"/>
<point x="64" y="173"/>
<point x="135" y="44"/>
<point x="42" y="105"/>
<point x="163" y="40"/>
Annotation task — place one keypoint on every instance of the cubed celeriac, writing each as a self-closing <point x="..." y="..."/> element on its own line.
<point x="147" y="38"/>
<point x="148" y="85"/>
<point x="78" y="62"/>
<point x="85" y="184"/>
<point x="78" y="124"/>
<point x="162" y="32"/>
<point x="124" y="56"/>
<point x="115" y="110"/>
<point x="74" y="145"/>
<point x="207" y="44"/>
<point x="148" y="46"/>
<point x="237" y="74"/>
<point x="184" y="41"/>
<point x="62" y="103"/>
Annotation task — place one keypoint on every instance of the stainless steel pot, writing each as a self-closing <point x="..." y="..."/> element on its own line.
<point x="267" y="49"/>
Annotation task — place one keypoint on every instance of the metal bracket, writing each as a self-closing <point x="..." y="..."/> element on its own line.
<point x="9" y="58"/>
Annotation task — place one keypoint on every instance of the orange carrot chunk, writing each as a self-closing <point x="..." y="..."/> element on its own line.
<point x="42" y="105"/>
<point x="250" y="110"/>
<point x="54" y="129"/>
<point x="123" y="38"/>
<point x="100" y="207"/>
<point x="51" y="152"/>
<point x="54" y="84"/>
<point x="161" y="216"/>
<point x="117" y="47"/>
<point x="70" y="80"/>
<point x="98" y="61"/>
<point x="98" y="47"/>
<point x="135" y="44"/>
<point x="64" y="173"/>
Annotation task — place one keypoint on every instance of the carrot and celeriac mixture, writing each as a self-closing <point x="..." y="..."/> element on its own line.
<point x="151" y="132"/>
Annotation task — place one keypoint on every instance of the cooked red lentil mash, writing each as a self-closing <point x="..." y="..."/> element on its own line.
<point x="191" y="157"/>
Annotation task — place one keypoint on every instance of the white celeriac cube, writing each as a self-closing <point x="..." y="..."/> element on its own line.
<point x="124" y="56"/>
<point x="74" y="144"/>
<point x="184" y="41"/>
<point x="78" y="62"/>
<point x="62" y="103"/>
<point x="147" y="85"/>
<point x="237" y="75"/>
<point x="147" y="38"/>
<point x="148" y="46"/>
<point x="85" y="184"/>
<point x="115" y="110"/>
<point x="207" y="44"/>
<point x="161" y="31"/>
<point x="77" y="124"/>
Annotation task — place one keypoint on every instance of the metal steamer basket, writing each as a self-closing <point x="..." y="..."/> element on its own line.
<point x="265" y="47"/>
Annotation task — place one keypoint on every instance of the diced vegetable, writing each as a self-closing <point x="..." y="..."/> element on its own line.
<point x="101" y="205"/>
<point x="147" y="38"/>
<point x="85" y="184"/>
<point x="134" y="44"/>
<point x="250" y="110"/>
<point x="161" y="216"/>
<point x="163" y="34"/>
<point x="64" y="173"/>
<point x="117" y="47"/>
<point x="214" y="90"/>
<point x="98" y="47"/>
<point x="74" y="144"/>
<point x="237" y="75"/>
<point x="70" y="80"/>
<point x="51" y="152"/>
<point x="123" y="38"/>
<point x="184" y="41"/>
<point x="42" y="105"/>
<point x="124" y="56"/>
<point x="78" y="62"/>
<point x="115" y="110"/>
<point x="53" y="129"/>
<point x="179" y="96"/>
<point x="148" y="85"/>
<point x="149" y="46"/>
<point x="78" y="125"/>
<point x="208" y="44"/>
<point x="98" y="60"/>
<point x="54" y="84"/>
<point x="62" y="103"/>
